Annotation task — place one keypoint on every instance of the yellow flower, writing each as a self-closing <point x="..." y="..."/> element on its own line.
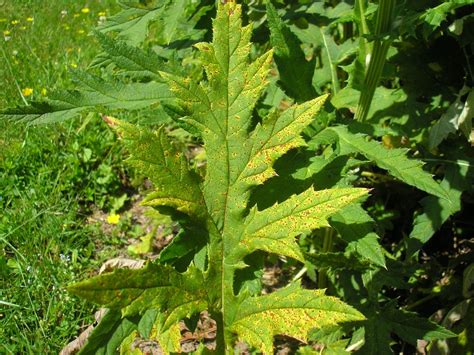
<point x="76" y="15"/>
<point x="15" y="22"/>
<point x="6" y="33"/>
<point x="85" y="10"/>
<point x="113" y="218"/>
<point x="27" y="91"/>
<point x="102" y="13"/>
<point x="44" y="91"/>
<point x="74" y="65"/>
<point x="29" y="19"/>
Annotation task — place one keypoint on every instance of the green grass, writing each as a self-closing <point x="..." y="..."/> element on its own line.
<point x="50" y="177"/>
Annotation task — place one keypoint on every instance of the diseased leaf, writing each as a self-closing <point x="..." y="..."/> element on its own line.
<point x="240" y="154"/>
<point x="155" y="156"/>
<point x="290" y="311"/>
<point x="134" y="291"/>
<point x="274" y="229"/>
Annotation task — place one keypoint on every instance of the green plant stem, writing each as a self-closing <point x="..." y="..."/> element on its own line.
<point x="421" y="301"/>
<point x="361" y="8"/>
<point x="220" y="336"/>
<point x="327" y="247"/>
<point x="334" y="77"/>
<point x="377" y="57"/>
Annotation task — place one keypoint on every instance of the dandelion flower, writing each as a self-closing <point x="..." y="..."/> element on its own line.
<point x="102" y="13"/>
<point x="44" y="91"/>
<point x="27" y="91"/>
<point x="15" y="22"/>
<point x="85" y="10"/>
<point x="74" y="65"/>
<point x="30" y="19"/>
<point x="113" y="218"/>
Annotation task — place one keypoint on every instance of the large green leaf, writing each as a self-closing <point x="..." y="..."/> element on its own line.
<point x="290" y="311"/>
<point x="240" y="155"/>
<point x="410" y="327"/>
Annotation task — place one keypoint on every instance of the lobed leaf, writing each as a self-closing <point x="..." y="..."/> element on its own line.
<point x="154" y="286"/>
<point x="153" y="154"/>
<point x="290" y="311"/>
<point x="274" y="229"/>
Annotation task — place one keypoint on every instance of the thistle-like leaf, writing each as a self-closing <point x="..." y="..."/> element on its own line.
<point x="240" y="155"/>
<point x="175" y="19"/>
